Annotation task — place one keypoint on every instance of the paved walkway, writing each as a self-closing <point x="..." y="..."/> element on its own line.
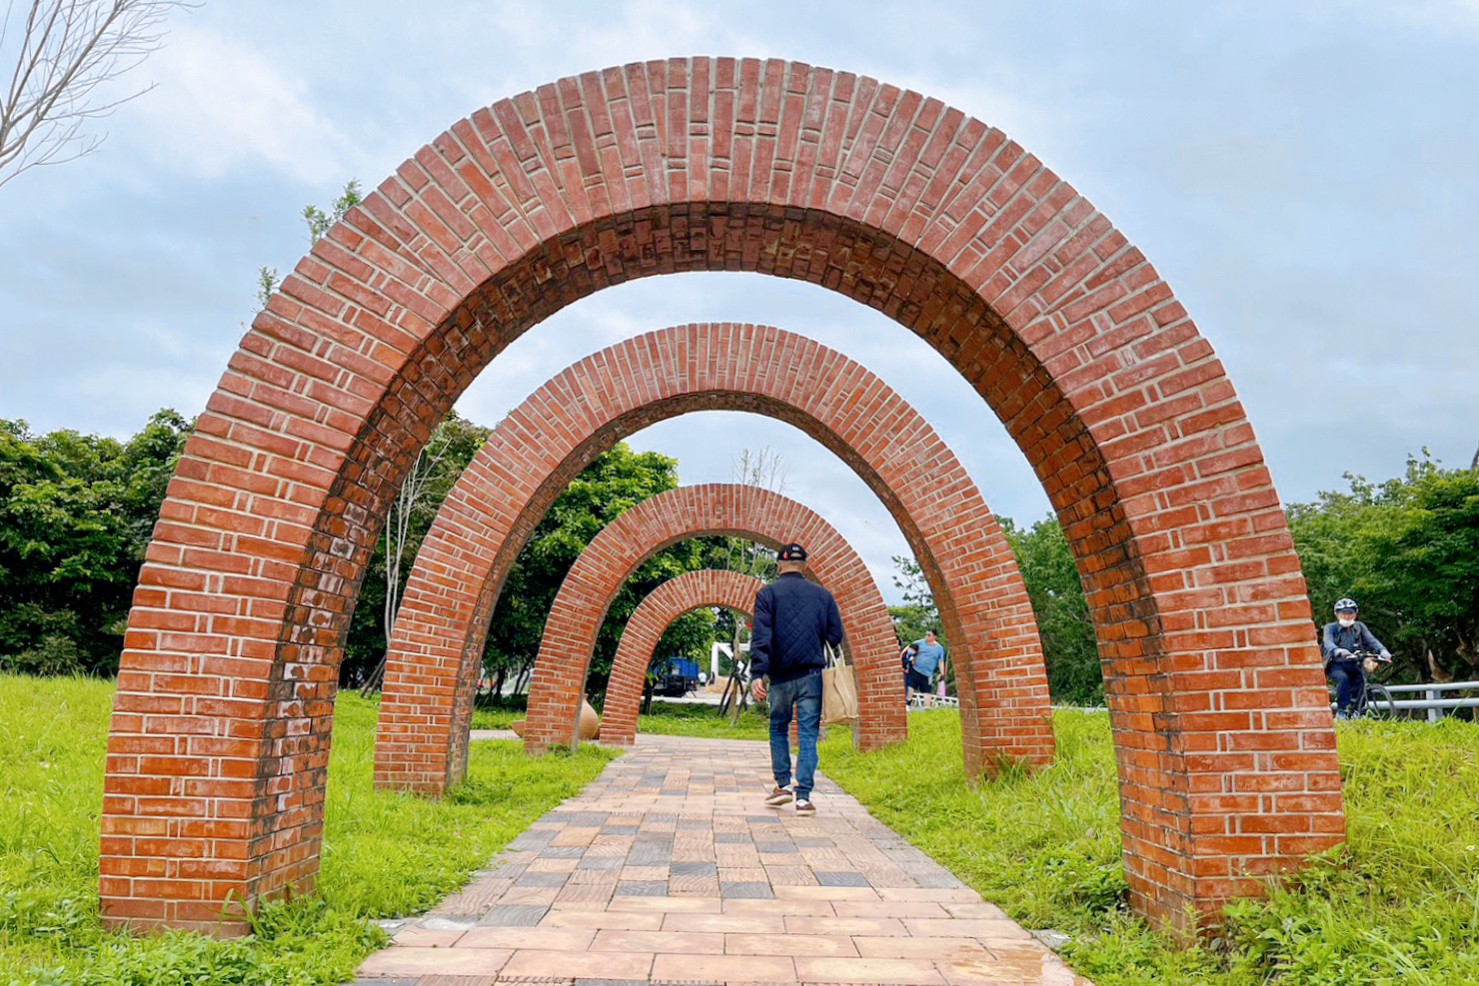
<point x="668" y="868"/>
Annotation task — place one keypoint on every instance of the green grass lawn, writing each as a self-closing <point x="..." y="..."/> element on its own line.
<point x="384" y="855"/>
<point x="1398" y="904"/>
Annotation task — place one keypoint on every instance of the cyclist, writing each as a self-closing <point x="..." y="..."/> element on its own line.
<point x="1343" y="645"/>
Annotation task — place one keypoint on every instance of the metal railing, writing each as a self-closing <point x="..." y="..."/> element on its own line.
<point x="1381" y="698"/>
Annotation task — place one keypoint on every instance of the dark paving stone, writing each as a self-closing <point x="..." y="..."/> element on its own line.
<point x="618" y="830"/>
<point x="532" y="840"/>
<point x="693" y="869"/>
<point x="589" y="819"/>
<point x="842" y="879"/>
<point x="661" y="818"/>
<point x="814" y="842"/>
<point x="649" y="856"/>
<point x="695" y="824"/>
<point x="542" y="880"/>
<point x="753" y="891"/>
<point x="601" y="863"/>
<point x="775" y="847"/>
<point x="655" y="838"/>
<point x="514" y="915"/>
<point x="763" y="819"/>
<point x="562" y="852"/>
<point x="642" y="888"/>
<point x="731" y="837"/>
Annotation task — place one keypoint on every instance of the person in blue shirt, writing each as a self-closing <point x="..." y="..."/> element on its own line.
<point x="928" y="655"/>
<point x="795" y="620"/>
<point x="1340" y="644"/>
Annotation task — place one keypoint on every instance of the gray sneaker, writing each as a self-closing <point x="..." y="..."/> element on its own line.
<point x="805" y="807"/>
<point x="780" y="796"/>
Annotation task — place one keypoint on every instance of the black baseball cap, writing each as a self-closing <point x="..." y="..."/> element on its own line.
<point x="791" y="552"/>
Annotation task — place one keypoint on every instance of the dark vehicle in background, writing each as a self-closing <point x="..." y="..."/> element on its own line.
<point x="673" y="676"/>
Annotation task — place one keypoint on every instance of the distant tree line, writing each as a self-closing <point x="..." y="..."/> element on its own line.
<point x="77" y="511"/>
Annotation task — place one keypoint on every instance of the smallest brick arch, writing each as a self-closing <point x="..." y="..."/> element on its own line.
<point x="645" y="627"/>
<point x="694" y="511"/>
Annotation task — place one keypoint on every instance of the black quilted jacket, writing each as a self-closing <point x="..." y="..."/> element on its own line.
<point x="794" y="618"/>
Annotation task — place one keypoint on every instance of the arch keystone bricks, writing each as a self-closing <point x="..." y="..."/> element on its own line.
<point x="735" y="510"/>
<point x="645" y="627"/>
<point x="436" y="647"/>
<point x="1224" y="744"/>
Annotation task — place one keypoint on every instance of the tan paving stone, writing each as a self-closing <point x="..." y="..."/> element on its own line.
<point x="532" y="963"/>
<point x="660" y="942"/>
<point x="966" y="928"/>
<point x="563" y="939"/>
<point x="427" y="937"/>
<point x="623" y="920"/>
<point x="740" y="943"/>
<point x="805" y="925"/>
<point x="401" y="961"/>
<point x="895" y="947"/>
<point x="889" y="909"/>
<point x="826" y="893"/>
<point x="815" y="908"/>
<point x="938" y="894"/>
<point x="725" y="968"/>
<point x="915" y="972"/>
<point x="693" y="905"/>
<point x="760" y="924"/>
<point x="553" y="865"/>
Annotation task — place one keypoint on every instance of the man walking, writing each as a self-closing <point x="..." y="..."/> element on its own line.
<point x="794" y="621"/>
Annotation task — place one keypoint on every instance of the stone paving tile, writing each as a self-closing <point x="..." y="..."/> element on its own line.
<point x="513" y="915"/>
<point x="666" y="869"/>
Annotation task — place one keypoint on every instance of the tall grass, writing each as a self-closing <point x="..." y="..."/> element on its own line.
<point x="1398" y="904"/>
<point x="384" y="855"/>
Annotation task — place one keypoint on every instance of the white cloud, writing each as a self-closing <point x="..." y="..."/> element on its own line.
<point x="222" y="106"/>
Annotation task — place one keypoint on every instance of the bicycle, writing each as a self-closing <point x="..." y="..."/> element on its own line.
<point x="1374" y="694"/>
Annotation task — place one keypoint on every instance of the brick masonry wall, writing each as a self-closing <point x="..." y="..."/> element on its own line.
<point x="220" y="734"/>
<point x="645" y="627"/>
<point x="437" y="644"/>
<point x="761" y="515"/>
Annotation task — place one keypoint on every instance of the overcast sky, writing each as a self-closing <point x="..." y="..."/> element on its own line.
<point x="1305" y="175"/>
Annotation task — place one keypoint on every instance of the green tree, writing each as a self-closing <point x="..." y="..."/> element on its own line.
<point x="1407" y="549"/>
<point x="436" y="470"/>
<point x="76" y="513"/>
<point x="615" y="482"/>
<point x="1063" y="622"/>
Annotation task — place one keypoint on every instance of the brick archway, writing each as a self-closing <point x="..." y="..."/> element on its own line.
<point x="436" y="648"/>
<point x="220" y="731"/>
<point x="760" y="515"/>
<point x="645" y="627"/>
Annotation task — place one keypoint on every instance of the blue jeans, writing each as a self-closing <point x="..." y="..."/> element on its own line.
<point x="1350" y="682"/>
<point x="805" y="693"/>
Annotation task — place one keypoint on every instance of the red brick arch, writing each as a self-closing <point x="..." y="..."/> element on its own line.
<point x="436" y="648"/>
<point x="220" y="731"/>
<point x="761" y="515"/>
<point x="645" y="627"/>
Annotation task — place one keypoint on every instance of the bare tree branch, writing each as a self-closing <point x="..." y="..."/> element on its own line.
<point x="64" y="54"/>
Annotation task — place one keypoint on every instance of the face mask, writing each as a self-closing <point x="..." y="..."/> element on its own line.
<point x="1347" y="621"/>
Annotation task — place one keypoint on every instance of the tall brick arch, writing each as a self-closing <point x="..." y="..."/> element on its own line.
<point x="220" y="733"/>
<point x="436" y="647"/>
<point x="645" y="627"/>
<point x="558" y="683"/>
